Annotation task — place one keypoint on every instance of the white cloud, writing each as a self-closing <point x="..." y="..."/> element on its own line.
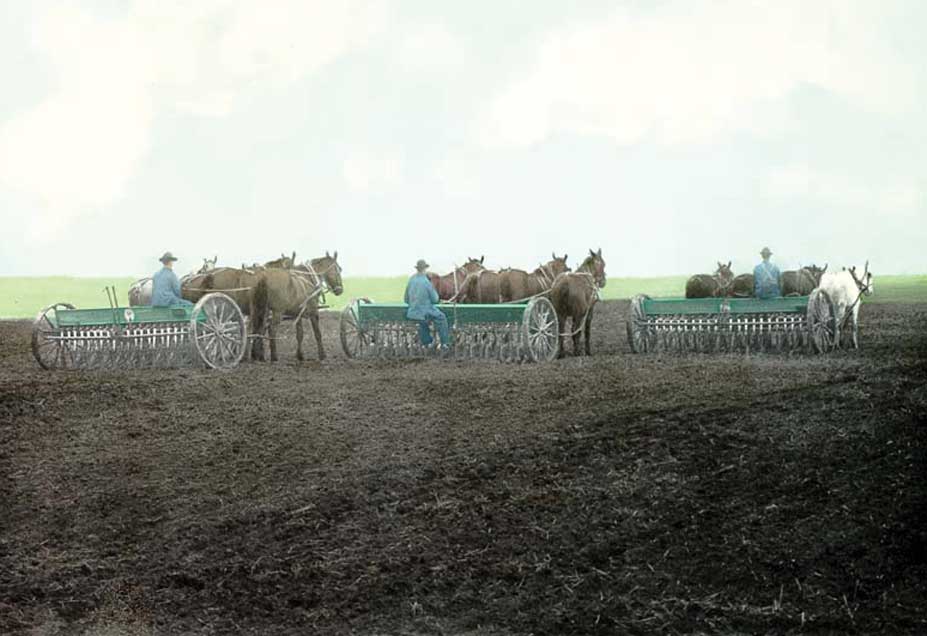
<point x="900" y="198"/>
<point x="77" y="150"/>
<point x="430" y="47"/>
<point x="364" y="171"/>
<point x="686" y="73"/>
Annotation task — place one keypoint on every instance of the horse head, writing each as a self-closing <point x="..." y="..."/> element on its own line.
<point x="208" y="264"/>
<point x="724" y="273"/>
<point x="328" y="268"/>
<point x="864" y="283"/>
<point x="595" y="265"/>
<point x="558" y="264"/>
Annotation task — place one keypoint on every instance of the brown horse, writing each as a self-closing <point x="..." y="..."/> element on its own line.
<point x="742" y="286"/>
<point x="324" y="270"/>
<point x="483" y="286"/>
<point x="711" y="286"/>
<point x="801" y="282"/>
<point x="295" y="293"/>
<point x="448" y="285"/>
<point x="517" y="284"/>
<point x="574" y="296"/>
<point x="235" y="283"/>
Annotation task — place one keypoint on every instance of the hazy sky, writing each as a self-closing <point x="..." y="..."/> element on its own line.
<point x="670" y="134"/>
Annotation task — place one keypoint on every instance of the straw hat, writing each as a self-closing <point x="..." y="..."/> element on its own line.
<point x="765" y="252"/>
<point x="167" y="256"/>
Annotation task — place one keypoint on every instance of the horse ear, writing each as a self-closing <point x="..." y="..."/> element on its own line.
<point x="293" y="258"/>
<point x="866" y="269"/>
<point x="564" y="258"/>
<point x="482" y="258"/>
<point x="825" y="268"/>
<point x="553" y="255"/>
<point x="336" y="255"/>
<point x="729" y="264"/>
<point x="600" y="252"/>
<point x="591" y="253"/>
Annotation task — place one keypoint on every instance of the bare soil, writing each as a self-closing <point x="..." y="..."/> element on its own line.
<point x="614" y="494"/>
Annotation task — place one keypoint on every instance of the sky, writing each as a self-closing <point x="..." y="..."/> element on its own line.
<point x="671" y="135"/>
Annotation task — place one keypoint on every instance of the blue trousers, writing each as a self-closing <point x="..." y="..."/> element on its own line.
<point x="436" y="316"/>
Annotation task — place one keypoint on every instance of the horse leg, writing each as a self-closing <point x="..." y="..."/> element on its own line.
<point x="856" y="326"/>
<point x="274" y="322"/>
<point x="587" y="329"/>
<point x="561" y="320"/>
<point x="314" y="319"/>
<point x="299" y="339"/>
<point x="577" y="334"/>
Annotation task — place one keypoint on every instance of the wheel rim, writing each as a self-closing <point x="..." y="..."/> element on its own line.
<point x="541" y="330"/>
<point x="350" y="332"/>
<point x="218" y="329"/>
<point x="823" y="323"/>
<point x="48" y="349"/>
<point x="637" y="336"/>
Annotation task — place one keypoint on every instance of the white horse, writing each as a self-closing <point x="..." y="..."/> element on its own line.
<point x="140" y="290"/>
<point x="845" y="290"/>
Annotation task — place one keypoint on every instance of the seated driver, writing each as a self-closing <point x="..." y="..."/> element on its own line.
<point x="165" y="287"/>
<point x="421" y="298"/>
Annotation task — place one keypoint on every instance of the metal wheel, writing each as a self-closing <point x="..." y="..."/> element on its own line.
<point x="50" y="351"/>
<point x="541" y="330"/>
<point x="822" y="321"/>
<point x="217" y="327"/>
<point x="353" y="338"/>
<point x="637" y="325"/>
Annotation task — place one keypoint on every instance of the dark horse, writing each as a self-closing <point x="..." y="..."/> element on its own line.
<point x="574" y="296"/>
<point x="711" y="286"/>
<point x="517" y="284"/>
<point x="448" y="285"/>
<point x="801" y="282"/>
<point x="293" y="293"/>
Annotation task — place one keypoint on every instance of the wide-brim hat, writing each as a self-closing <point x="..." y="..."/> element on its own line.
<point x="765" y="252"/>
<point x="167" y="256"/>
<point x="422" y="265"/>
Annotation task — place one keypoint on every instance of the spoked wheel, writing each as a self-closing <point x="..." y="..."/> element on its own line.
<point x="353" y="338"/>
<point x="822" y="321"/>
<point x="217" y="327"/>
<point x="541" y="330"/>
<point x="50" y="351"/>
<point x="637" y="325"/>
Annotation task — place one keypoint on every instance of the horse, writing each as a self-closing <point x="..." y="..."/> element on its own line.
<point x="323" y="270"/>
<point x="711" y="286"/>
<point x="284" y="262"/>
<point x="448" y="285"/>
<point x="292" y="292"/>
<point x="801" y="282"/>
<point x="574" y="295"/>
<point x="517" y="284"/>
<point x="845" y="290"/>
<point x="483" y="286"/>
<point x="140" y="291"/>
<point x="235" y="283"/>
<point x="743" y="286"/>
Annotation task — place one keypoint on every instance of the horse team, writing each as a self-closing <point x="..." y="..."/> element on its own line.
<point x="283" y="288"/>
<point x="844" y="288"/>
<point x="724" y="283"/>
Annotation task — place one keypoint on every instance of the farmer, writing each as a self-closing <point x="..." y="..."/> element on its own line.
<point x="421" y="298"/>
<point x="165" y="288"/>
<point x="766" y="277"/>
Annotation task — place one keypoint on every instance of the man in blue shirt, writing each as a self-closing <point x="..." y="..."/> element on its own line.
<point x="766" y="277"/>
<point x="421" y="298"/>
<point x="165" y="287"/>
